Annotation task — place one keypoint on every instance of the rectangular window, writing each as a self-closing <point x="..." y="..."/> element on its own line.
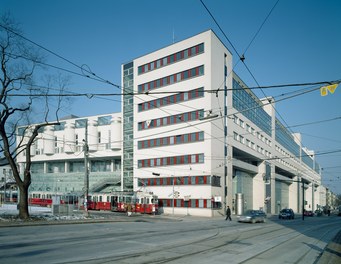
<point x="186" y="54"/>
<point x="186" y="138"/>
<point x="201" y="70"/>
<point x="104" y="120"/>
<point x="186" y="75"/>
<point x="186" y="159"/>
<point x="81" y="123"/>
<point x="186" y="96"/>
<point x="201" y="158"/>
<point x="185" y="117"/>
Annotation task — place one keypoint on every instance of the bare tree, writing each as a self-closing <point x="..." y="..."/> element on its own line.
<point x="19" y="62"/>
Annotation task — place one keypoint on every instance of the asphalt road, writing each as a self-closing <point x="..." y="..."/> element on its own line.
<point x="149" y="239"/>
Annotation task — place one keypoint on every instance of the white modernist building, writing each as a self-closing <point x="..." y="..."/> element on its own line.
<point x="58" y="154"/>
<point x="197" y="137"/>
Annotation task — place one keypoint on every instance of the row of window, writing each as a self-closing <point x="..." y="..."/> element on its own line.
<point x="76" y="148"/>
<point x="79" y="123"/>
<point x="191" y="203"/>
<point x="170" y="120"/>
<point x="251" y="130"/>
<point x="186" y="180"/>
<point x="251" y="144"/>
<point x="76" y="166"/>
<point x="175" y="160"/>
<point x="172" y="140"/>
<point x="175" y="57"/>
<point x="174" y="78"/>
<point x="172" y="99"/>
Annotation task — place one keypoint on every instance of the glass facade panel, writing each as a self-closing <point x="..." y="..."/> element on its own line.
<point x="250" y="106"/>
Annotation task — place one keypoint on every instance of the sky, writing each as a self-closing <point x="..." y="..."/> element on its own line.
<point x="297" y="42"/>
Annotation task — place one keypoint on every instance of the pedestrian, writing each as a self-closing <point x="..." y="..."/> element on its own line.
<point x="228" y="213"/>
<point x="129" y="209"/>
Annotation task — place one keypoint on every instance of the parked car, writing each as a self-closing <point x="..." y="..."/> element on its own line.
<point x="286" y="214"/>
<point x="252" y="216"/>
<point x="308" y="213"/>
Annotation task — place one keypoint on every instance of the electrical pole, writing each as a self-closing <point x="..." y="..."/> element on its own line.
<point x="303" y="202"/>
<point x="173" y="195"/>
<point x="86" y="169"/>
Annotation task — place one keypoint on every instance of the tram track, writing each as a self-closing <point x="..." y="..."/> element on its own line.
<point x="220" y="241"/>
<point x="185" y="242"/>
<point x="220" y="238"/>
<point x="301" y="234"/>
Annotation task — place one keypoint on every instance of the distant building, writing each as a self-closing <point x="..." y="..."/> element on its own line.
<point x="58" y="155"/>
<point x="7" y="182"/>
<point x="197" y="137"/>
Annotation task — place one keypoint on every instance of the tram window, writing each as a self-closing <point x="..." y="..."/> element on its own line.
<point x="108" y="198"/>
<point x="43" y="196"/>
<point x="100" y="198"/>
<point x="128" y="199"/>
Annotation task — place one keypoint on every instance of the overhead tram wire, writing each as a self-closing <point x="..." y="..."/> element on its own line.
<point x="45" y="64"/>
<point x="94" y="76"/>
<point x="242" y="58"/>
<point x="261" y="26"/>
<point x="174" y="92"/>
<point x="209" y="120"/>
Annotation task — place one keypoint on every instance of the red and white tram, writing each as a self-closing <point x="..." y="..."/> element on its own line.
<point x="140" y="202"/>
<point x="44" y="199"/>
<point x="146" y="203"/>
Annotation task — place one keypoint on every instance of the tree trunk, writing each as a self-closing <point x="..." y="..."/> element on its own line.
<point x="23" y="202"/>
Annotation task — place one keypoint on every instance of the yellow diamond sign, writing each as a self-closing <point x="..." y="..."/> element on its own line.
<point x="331" y="88"/>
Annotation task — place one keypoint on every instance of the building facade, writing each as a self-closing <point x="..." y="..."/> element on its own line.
<point x="200" y="139"/>
<point x="58" y="155"/>
<point x="191" y="132"/>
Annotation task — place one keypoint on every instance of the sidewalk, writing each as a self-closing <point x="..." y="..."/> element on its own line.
<point x="332" y="253"/>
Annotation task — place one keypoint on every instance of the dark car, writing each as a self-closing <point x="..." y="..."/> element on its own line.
<point x="286" y="214"/>
<point x="308" y="213"/>
<point x="252" y="216"/>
